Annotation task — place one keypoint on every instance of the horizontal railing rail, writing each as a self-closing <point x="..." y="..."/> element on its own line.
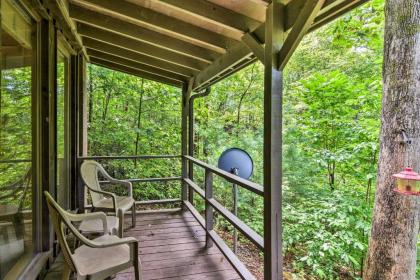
<point x="127" y="157"/>
<point x="148" y="180"/>
<point x="15" y="160"/>
<point x="211" y="205"/>
<point x="251" y="186"/>
<point x="139" y="180"/>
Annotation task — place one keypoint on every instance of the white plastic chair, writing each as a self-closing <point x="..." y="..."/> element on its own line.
<point x="107" y="201"/>
<point x="95" y="259"/>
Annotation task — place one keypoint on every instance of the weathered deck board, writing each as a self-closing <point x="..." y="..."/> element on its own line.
<point x="172" y="246"/>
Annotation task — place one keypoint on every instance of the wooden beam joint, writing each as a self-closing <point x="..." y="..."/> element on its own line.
<point x="301" y="26"/>
<point x="254" y="44"/>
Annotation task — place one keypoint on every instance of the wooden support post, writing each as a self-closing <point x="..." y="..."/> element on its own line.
<point x="82" y="119"/>
<point x="44" y="128"/>
<point x="74" y="73"/>
<point x="274" y="37"/>
<point x="186" y="93"/>
<point x="208" y="185"/>
<point x="41" y="131"/>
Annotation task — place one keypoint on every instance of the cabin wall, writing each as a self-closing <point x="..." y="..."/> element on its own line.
<point x="35" y="104"/>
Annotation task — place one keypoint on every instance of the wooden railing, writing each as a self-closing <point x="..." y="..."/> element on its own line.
<point x="139" y="180"/>
<point x="212" y="205"/>
<point x="15" y="161"/>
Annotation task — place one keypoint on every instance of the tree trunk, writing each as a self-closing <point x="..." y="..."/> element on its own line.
<point x="395" y="225"/>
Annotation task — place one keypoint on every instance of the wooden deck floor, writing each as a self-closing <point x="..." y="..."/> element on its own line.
<point x="172" y="246"/>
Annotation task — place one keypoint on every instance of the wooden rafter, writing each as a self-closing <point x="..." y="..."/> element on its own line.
<point x="138" y="57"/>
<point x="141" y="34"/>
<point x="217" y="14"/>
<point x="135" y="72"/>
<point x="163" y="23"/>
<point x="140" y="47"/>
<point x="135" y="65"/>
<point x="302" y="24"/>
<point x="220" y="67"/>
<point x="331" y="14"/>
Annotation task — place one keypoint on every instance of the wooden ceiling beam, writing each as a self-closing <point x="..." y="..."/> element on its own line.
<point x="136" y="65"/>
<point x="140" y="47"/>
<point x="131" y="71"/>
<point x="133" y="31"/>
<point x="215" y="13"/>
<point x="304" y="21"/>
<point x="138" y="57"/>
<point x="163" y="22"/>
<point x="210" y="75"/>
<point x="226" y="62"/>
<point x="330" y="10"/>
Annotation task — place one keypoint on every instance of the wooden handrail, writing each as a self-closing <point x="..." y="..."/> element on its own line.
<point x="237" y="223"/>
<point x="148" y="180"/>
<point x="15" y="160"/>
<point x="212" y="205"/>
<point x="229" y="216"/>
<point x="251" y="186"/>
<point x="195" y="187"/>
<point x="158" y="201"/>
<point x="127" y="157"/>
<point x="226" y="251"/>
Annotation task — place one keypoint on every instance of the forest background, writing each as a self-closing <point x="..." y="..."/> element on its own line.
<point x="331" y="123"/>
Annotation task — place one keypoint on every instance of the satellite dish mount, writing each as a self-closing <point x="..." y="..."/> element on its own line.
<point x="238" y="162"/>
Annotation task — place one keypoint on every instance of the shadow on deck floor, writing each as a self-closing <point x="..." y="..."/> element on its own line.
<point x="172" y="246"/>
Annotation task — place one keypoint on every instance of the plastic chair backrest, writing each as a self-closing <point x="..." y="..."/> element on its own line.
<point x="59" y="221"/>
<point x="89" y="172"/>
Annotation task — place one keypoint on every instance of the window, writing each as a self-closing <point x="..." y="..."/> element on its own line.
<point x="16" y="245"/>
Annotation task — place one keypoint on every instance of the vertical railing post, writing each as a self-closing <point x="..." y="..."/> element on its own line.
<point x="273" y="95"/>
<point x="191" y="146"/>
<point x="208" y="185"/>
<point x="186" y="93"/>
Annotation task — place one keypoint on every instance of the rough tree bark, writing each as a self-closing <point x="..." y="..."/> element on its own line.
<point x="395" y="226"/>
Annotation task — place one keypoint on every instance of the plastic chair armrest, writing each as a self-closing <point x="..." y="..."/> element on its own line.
<point x="124" y="183"/>
<point x="112" y="195"/>
<point x="89" y="216"/>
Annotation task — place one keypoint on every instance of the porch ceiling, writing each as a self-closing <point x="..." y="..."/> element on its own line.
<point x="172" y="41"/>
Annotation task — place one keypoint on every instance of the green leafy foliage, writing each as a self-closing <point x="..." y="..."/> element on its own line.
<point x="133" y="116"/>
<point x="331" y="114"/>
<point x="331" y="120"/>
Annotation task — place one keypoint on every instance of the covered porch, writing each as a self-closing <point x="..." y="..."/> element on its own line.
<point x="187" y="44"/>
<point x="172" y="246"/>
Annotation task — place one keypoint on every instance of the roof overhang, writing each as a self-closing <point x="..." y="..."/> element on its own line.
<point x="177" y="41"/>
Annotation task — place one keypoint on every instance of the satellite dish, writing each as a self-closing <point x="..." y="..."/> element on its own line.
<point x="236" y="161"/>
